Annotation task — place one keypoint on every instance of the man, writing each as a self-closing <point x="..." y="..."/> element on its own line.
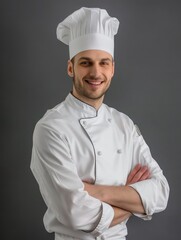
<point x="92" y="164"/>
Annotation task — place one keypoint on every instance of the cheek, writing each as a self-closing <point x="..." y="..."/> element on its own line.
<point x="80" y="73"/>
<point x="110" y="72"/>
<point x="109" y="75"/>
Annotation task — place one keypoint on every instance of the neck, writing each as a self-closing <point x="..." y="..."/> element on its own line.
<point x="95" y="103"/>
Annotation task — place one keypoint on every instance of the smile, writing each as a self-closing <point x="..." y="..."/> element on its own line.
<point x="94" y="83"/>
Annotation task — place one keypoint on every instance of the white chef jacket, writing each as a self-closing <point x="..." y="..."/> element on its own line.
<point x="74" y="142"/>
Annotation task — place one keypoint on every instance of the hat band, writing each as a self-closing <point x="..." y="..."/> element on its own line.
<point x="93" y="41"/>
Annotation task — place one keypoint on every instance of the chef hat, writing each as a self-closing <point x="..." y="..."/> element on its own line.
<point x="88" y="28"/>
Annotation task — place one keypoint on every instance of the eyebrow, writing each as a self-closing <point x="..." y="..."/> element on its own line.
<point x="89" y="59"/>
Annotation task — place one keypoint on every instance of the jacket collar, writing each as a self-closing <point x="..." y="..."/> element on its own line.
<point x="85" y="109"/>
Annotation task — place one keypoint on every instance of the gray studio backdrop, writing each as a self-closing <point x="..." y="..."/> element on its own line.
<point x="146" y="87"/>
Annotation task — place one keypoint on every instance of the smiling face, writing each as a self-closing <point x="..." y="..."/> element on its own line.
<point x="92" y="71"/>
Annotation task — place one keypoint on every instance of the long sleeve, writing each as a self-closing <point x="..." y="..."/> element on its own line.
<point x="61" y="187"/>
<point x="154" y="192"/>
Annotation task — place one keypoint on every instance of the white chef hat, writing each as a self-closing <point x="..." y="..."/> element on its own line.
<point x="88" y="29"/>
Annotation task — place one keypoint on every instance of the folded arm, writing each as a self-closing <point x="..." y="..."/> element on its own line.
<point x="124" y="199"/>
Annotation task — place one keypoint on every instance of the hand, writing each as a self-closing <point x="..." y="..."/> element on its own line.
<point x="120" y="215"/>
<point x="139" y="173"/>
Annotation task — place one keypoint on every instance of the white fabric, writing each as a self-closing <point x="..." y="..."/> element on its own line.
<point x="73" y="143"/>
<point x="88" y="28"/>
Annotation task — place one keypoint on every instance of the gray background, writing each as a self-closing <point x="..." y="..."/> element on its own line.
<point x="146" y="86"/>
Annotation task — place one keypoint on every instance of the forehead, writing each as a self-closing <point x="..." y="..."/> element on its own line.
<point x="94" y="55"/>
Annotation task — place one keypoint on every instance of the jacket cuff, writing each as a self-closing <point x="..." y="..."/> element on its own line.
<point x="147" y="195"/>
<point x="105" y="221"/>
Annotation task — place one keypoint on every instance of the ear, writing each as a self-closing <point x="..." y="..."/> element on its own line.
<point x="113" y="68"/>
<point x="70" y="70"/>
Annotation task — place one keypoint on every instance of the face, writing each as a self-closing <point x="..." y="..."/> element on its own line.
<point x="92" y="72"/>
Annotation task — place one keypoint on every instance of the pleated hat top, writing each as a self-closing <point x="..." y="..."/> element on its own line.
<point x="88" y="29"/>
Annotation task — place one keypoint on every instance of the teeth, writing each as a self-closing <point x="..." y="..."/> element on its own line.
<point x="94" y="83"/>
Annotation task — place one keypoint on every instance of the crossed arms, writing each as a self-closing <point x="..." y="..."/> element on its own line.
<point x="125" y="200"/>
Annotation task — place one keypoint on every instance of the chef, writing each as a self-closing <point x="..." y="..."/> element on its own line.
<point x="91" y="162"/>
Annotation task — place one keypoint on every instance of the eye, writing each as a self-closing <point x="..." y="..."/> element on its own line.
<point x="85" y="63"/>
<point x="104" y="63"/>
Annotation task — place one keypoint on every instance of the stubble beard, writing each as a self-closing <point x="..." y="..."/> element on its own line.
<point x="87" y="94"/>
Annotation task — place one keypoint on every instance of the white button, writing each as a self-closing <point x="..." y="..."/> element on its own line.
<point x="119" y="151"/>
<point x="109" y="120"/>
<point x="99" y="153"/>
<point x="100" y="238"/>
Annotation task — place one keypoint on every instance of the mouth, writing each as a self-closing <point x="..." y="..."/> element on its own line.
<point x="94" y="82"/>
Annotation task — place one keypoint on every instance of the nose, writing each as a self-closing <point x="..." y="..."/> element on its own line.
<point x="95" y="71"/>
